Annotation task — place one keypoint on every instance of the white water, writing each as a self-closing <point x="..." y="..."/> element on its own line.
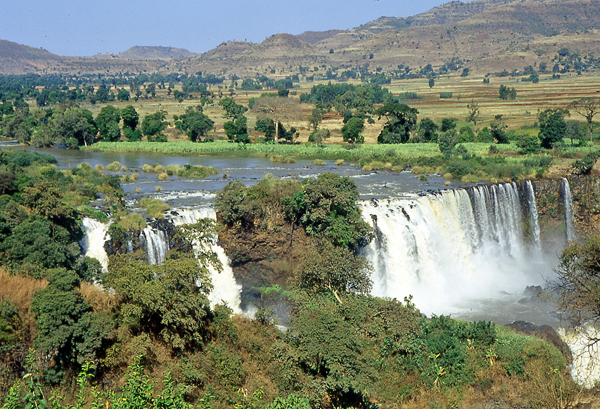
<point x="157" y="244"/>
<point x="93" y="241"/>
<point x="449" y="249"/>
<point x="534" y="224"/>
<point x="226" y="289"/>
<point x="569" y="223"/>
<point x="585" y="368"/>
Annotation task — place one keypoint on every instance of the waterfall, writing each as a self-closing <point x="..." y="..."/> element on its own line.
<point x="585" y="368"/>
<point x="225" y="287"/>
<point x="449" y="248"/>
<point x="534" y="225"/>
<point x="568" y="210"/>
<point x="93" y="241"/>
<point x="157" y="244"/>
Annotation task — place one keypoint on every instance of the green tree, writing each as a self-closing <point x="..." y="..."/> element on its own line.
<point x="130" y="117"/>
<point x="123" y="95"/>
<point x="401" y="120"/>
<point x="473" y="115"/>
<point x="447" y="124"/>
<point x="37" y="245"/>
<point x="18" y="127"/>
<point x="576" y="131"/>
<point x="316" y="117"/>
<point x="107" y="121"/>
<point x="427" y="130"/>
<point x="153" y="125"/>
<point x="195" y="124"/>
<point x="552" y="127"/>
<point x="73" y="127"/>
<point x="169" y="300"/>
<point x="232" y="110"/>
<point x="237" y="130"/>
<point x="498" y="131"/>
<point x="338" y="270"/>
<point x="326" y="205"/>
<point x="352" y="130"/>
<point x="505" y="92"/>
<point x="69" y="332"/>
<point x="267" y="126"/>
<point x="431" y="82"/>
<point x="588" y="108"/>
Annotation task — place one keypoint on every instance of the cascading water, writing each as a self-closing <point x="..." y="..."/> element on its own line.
<point x="569" y="222"/>
<point x="225" y="287"/>
<point x="534" y="224"/>
<point x="157" y="244"/>
<point x="93" y="241"/>
<point x="450" y="248"/>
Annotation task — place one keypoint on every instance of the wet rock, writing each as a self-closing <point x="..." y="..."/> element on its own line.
<point x="545" y="332"/>
<point x="533" y="291"/>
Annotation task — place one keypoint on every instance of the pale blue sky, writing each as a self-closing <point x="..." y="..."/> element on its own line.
<point x="89" y="27"/>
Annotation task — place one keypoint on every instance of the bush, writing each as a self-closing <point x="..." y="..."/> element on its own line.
<point x="154" y="207"/>
<point x="585" y="165"/>
<point x="529" y="145"/>
<point x="445" y="95"/>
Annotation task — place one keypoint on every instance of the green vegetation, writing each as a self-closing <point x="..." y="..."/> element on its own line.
<point x="344" y="348"/>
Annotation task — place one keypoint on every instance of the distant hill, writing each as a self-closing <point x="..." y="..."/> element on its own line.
<point x="483" y="35"/>
<point x="314" y="37"/>
<point x="151" y="53"/>
<point x="17" y="58"/>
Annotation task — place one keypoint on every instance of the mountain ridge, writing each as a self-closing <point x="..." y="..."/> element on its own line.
<point x="484" y="34"/>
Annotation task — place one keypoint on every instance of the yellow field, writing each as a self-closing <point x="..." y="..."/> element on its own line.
<point x="522" y="112"/>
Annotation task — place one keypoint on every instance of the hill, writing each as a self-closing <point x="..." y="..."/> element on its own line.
<point x="17" y="58"/>
<point x="483" y="35"/>
<point x="151" y="53"/>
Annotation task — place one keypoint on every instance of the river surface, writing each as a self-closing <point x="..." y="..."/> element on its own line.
<point x="184" y="191"/>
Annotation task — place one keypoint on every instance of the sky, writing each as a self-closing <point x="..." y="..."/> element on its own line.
<point x="90" y="27"/>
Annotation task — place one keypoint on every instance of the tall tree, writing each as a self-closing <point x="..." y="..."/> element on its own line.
<point x="195" y="124"/>
<point x="352" y="130"/>
<point x="402" y="119"/>
<point x="130" y="117"/>
<point x="153" y="125"/>
<point x="553" y="127"/>
<point x="107" y="121"/>
<point x="588" y="108"/>
<point x="279" y="109"/>
<point x="473" y="114"/>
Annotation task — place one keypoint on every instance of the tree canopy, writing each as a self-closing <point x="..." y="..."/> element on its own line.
<point x="401" y="120"/>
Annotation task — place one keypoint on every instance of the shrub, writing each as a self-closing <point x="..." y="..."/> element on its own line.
<point x="445" y="95"/>
<point x="114" y="167"/>
<point x="154" y="207"/>
<point x="133" y="221"/>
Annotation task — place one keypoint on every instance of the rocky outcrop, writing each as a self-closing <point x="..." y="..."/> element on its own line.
<point x="585" y="191"/>
<point x="263" y="255"/>
<point x="544" y="332"/>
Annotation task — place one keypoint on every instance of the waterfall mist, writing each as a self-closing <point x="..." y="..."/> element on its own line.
<point x="452" y="248"/>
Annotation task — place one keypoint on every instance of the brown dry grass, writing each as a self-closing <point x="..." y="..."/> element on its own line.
<point x="18" y="290"/>
<point x="98" y="298"/>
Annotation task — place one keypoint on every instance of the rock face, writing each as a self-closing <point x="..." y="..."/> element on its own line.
<point x="585" y="191"/>
<point x="544" y="332"/>
<point x="263" y="256"/>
